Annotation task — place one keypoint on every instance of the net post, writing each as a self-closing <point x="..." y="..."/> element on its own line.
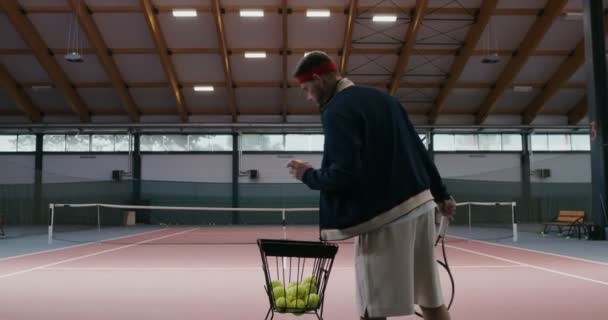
<point x="98" y="220"/>
<point x="470" y="221"/>
<point x="51" y="222"/>
<point x="284" y="222"/>
<point x="514" y="218"/>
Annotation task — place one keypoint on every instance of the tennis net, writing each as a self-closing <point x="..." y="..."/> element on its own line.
<point x="122" y="224"/>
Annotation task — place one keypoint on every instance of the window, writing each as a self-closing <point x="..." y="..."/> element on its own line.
<point x="466" y="142"/>
<point x="490" y="142"/>
<point x="200" y="142"/>
<point x="53" y="143"/>
<point x="538" y="142"/>
<point x="559" y="142"/>
<point x="8" y="143"/>
<point x="102" y="142"/>
<point x="78" y="143"/>
<point x="122" y="143"/>
<point x="477" y="142"/>
<point x="26" y="143"/>
<point x="262" y="142"/>
<point x="157" y="142"/>
<point x="185" y="143"/>
<point x="317" y="142"/>
<point x="443" y="142"/>
<point x="581" y="142"/>
<point x="304" y="142"/>
<point x="512" y="142"/>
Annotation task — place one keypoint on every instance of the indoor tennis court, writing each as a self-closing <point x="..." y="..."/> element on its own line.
<point x="181" y="272"/>
<point x="147" y="149"/>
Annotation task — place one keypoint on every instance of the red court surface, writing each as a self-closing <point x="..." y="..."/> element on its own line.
<point x="145" y="280"/>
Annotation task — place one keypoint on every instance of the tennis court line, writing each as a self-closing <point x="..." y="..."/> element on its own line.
<point x="233" y="268"/>
<point x="531" y="266"/>
<point x="532" y="250"/>
<point x="92" y="254"/>
<point x="76" y="245"/>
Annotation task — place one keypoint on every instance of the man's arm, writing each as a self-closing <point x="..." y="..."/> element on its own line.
<point x="343" y="147"/>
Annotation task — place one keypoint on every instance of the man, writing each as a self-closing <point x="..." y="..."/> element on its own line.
<point x="377" y="183"/>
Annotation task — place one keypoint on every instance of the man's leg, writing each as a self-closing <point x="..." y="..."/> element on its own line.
<point x="439" y="313"/>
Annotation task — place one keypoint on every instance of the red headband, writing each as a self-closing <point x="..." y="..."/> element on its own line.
<point x="328" y="66"/>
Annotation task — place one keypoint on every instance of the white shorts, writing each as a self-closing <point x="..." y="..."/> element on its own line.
<point x="395" y="266"/>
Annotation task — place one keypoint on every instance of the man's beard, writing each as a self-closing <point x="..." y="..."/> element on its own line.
<point x="325" y="94"/>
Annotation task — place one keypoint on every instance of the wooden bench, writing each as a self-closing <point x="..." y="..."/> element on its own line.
<point x="573" y="221"/>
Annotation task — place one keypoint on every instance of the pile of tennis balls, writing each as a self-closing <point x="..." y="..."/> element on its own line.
<point x="298" y="298"/>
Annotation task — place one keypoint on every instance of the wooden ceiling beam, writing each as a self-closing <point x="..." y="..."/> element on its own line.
<point x="533" y="37"/>
<point x="221" y="35"/>
<point x="107" y="62"/>
<point x="16" y="92"/>
<point x="408" y="45"/>
<point x="470" y="42"/>
<point x="348" y="36"/>
<point x="35" y="42"/>
<point x="162" y="50"/>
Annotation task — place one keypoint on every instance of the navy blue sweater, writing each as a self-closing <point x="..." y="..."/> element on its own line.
<point x="373" y="159"/>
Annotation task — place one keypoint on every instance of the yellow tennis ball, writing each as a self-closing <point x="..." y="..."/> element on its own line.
<point x="296" y="307"/>
<point x="303" y="291"/>
<point x="278" y="292"/>
<point x="280" y="304"/>
<point x="276" y="283"/>
<point x="313" y="301"/>
<point x="300" y="304"/>
<point x="292" y="293"/>
<point x="310" y="287"/>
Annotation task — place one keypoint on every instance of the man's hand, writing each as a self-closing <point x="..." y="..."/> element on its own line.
<point x="297" y="168"/>
<point x="447" y="208"/>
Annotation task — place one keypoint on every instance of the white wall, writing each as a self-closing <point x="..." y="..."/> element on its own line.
<point x="187" y="167"/>
<point x="86" y="167"/>
<point x="17" y="169"/>
<point x="272" y="167"/>
<point x="486" y="167"/>
<point x="565" y="167"/>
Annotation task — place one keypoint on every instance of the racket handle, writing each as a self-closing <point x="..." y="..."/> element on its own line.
<point x="443" y="226"/>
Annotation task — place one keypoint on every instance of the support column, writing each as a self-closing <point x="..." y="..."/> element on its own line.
<point x="235" y="176"/>
<point x="41" y="215"/>
<point x="136" y="174"/>
<point x="140" y="216"/>
<point x="597" y="99"/>
<point x="526" y="196"/>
